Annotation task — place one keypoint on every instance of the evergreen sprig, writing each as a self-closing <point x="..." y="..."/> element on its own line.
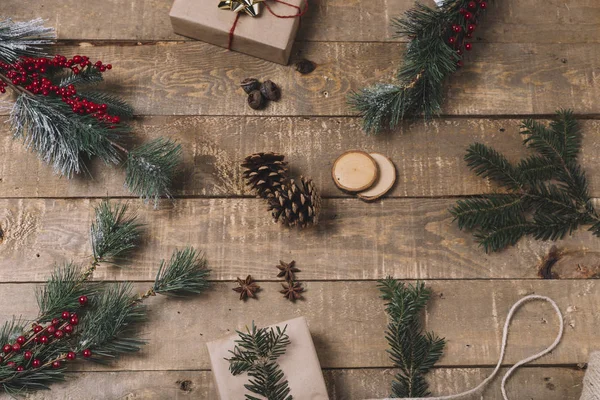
<point x="412" y="351"/>
<point x="102" y="318"/>
<point x="429" y="59"/>
<point x="114" y="233"/>
<point x="28" y="38"/>
<point x="256" y="353"/>
<point x="184" y="274"/>
<point x="151" y="168"/>
<point x="548" y="195"/>
<point x="68" y="136"/>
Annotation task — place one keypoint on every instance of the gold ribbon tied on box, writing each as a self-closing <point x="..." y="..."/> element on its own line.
<point x="252" y="8"/>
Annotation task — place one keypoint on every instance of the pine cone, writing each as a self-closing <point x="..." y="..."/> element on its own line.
<point x="296" y="204"/>
<point x="265" y="172"/>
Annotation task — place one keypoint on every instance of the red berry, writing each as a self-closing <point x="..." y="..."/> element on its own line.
<point x="55" y="321"/>
<point x="452" y="40"/>
<point x="56" y="364"/>
<point x="74" y="319"/>
<point x="68" y="329"/>
<point x="11" y="364"/>
<point x="51" y="329"/>
<point x="471" y="27"/>
<point x="20" y="368"/>
<point x="36" y="363"/>
<point x="483" y="5"/>
<point x="21" y="340"/>
<point x="472" y="5"/>
<point x="44" y="340"/>
<point x="66" y="315"/>
<point x="27" y="355"/>
<point x="16" y="347"/>
<point x="59" y="334"/>
<point x="108" y="66"/>
<point x="469" y="36"/>
<point x="462" y="11"/>
<point x="87" y="353"/>
<point x="77" y="58"/>
<point x="459" y="52"/>
<point x="98" y="64"/>
<point x="459" y="63"/>
<point x="7" y="348"/>
<point x="116" y="119"/>
<point x="468" y="46"/>
<point x="71" y="355"/>
<point x="468" y="15"/>
<point x="457" y="29"/>
<point x="75" y="70"/>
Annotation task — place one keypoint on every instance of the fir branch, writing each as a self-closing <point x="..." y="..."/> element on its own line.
<point x="412" y="351"/>
<point x="430" y="58"/>
<point x="62" y="138"/>
<point x="116" y="105"/>
<point x="62" y="291"/>
<point x="87" y="75"/>
<point x="18" y="39"/>
<point x="114" y="233"/>
<point x="256" y="353"/>
<point x="549" y="195"/>
<point x="109" y="326"/>
<point x="488" y="163"/>
<point x="185" y="274"/>
<point x="151" y="168"/>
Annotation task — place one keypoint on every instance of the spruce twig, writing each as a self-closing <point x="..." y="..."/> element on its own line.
<point x="185" y="274"/>
<point x="548" y="195"/>
<point x="437" y="39"/>
<point x="412" y="351"/>
<point x="256" y="353"/>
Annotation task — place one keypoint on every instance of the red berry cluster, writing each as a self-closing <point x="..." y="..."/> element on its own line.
<point x="29" y="74"/>
<point x="463" y="31"/>
<point x="57" y="329"/>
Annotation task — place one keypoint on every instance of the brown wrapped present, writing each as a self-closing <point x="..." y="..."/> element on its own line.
<point x="299" y="364"/>
<point x="265" y="36"/>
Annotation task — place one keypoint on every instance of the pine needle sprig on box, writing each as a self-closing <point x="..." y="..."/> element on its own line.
<point x="412" y="351"/>
<point x="56" y="114"/>
<point x="548" y="195"/>
<point x="438" y="37"/>
<point x="256" y="353"/>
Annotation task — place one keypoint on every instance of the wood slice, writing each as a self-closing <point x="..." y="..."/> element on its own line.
<point x="386" y="180"/>
<point x="354" y="171"/>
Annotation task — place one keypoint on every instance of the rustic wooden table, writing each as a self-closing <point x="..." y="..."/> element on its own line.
<point x="533" y="58"/>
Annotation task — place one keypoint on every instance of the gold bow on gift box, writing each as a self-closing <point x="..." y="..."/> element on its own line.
<point x="250" y="7"/>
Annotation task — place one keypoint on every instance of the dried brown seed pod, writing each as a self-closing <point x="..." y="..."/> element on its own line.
<point x="305" y="66"/>
<point x="256" y="100"/>
<point x="270" y="90"/>
<point x="250" y="84"/>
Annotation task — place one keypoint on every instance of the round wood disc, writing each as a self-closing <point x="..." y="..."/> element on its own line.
<point x="354" y="171"/>
<point x="386" y="180"/>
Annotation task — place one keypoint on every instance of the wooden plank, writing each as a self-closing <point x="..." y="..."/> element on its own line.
<point x="409" y="239"/>
<point x="347" y="322"/>
<point x="428" y="157"/>
<point x="198" y="79"/>
<point x="357" y="384"/>
<point x="328" y="20"/>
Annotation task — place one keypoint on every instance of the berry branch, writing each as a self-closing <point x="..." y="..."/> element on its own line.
<point x="92" y="320"/>
<point x="67" y="125"/>
<point x="438" y="39"/>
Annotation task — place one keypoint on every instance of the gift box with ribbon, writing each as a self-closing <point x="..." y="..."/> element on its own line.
<point x="299" y="363"/>
<point x="261" y="28"/>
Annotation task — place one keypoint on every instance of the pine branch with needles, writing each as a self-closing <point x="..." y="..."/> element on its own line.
<point x="547" y="192"/>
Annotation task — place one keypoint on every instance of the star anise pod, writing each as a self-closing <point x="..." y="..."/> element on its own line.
<point x="286" y="270"/>
<point x="247" y="288"/>
<point x="292" y="290"/>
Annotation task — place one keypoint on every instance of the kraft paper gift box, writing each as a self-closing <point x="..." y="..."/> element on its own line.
<point x="299" y="364"/>
<point x="265" y="36"/>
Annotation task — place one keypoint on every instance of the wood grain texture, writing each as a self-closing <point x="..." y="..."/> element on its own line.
<point x="194" y="78"/>
<point x="548" y="383"/>
<point x="328" y="20"/>
<point x="428" y="155"/>
<point x="347" y="322"/>
<point x="409" y="239"/>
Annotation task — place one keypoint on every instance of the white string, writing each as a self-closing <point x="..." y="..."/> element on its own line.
<point x="509" y="317"/>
